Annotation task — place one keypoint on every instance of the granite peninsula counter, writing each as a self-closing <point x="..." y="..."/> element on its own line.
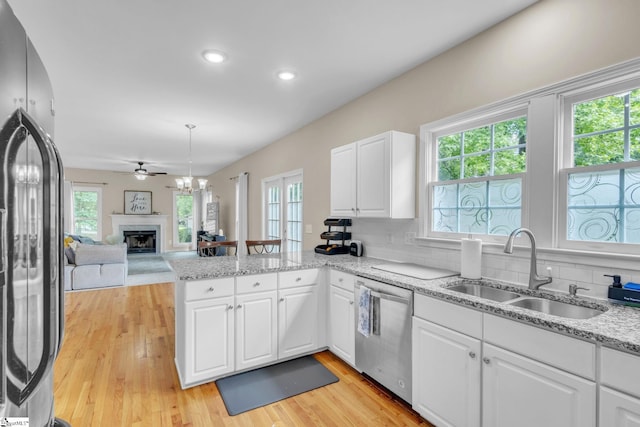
<point x="618" y="327"/>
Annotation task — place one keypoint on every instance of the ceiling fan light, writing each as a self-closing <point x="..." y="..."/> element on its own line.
<point x="179" y="183"/>
<point x="202" y="183"/>
<point x="140" y="176"/>
<point x="187" y="181"/>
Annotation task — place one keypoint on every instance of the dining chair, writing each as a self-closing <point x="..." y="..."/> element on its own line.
<point x="206" y="248"/>
<point x="263" y="246"/>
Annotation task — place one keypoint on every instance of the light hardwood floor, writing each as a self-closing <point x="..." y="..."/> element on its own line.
<point x="116" y="369"/>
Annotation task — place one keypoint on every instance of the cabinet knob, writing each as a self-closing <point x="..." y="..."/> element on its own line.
<point x="256" y="284"/>
<point x="298" y="279"/>
<point x="341" y="280"/>
<point x="229" y="307"/>
<point x="353" y="209"/>
<point x="472" y="354"/>
<point x="351" y="302"/>
<point x="281" y="299"/>
<point x="486" y="360"/>
<point x="239" y="306"/>
<point x="210" y="289"/>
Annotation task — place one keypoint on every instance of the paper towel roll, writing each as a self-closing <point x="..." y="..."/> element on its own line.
<point x="471" y="259"/>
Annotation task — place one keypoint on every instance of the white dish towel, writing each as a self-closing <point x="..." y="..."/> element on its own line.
<point x="364" y="311"/>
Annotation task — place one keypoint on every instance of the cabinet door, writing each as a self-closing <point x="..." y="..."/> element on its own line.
<point x="518" y="391"/>
<point x="297" y="321"/>
<point x="446" y="375"/>
<point x="343" y="180"/>
<point x="373" y="177"/>
<point x="342" y="324"/>
<point x="618" y="409"/>
<point x="256" y="339"/>
<point x="209" y="329"/>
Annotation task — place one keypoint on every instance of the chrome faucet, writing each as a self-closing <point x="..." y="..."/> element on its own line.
<point x="535" y="281"/>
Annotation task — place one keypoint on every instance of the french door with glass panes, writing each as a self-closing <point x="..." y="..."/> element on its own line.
<point x="282" y="212"/>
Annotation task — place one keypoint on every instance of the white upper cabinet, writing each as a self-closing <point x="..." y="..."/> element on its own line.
<point x="375" y="177"/>
<point x="343" y="181"/>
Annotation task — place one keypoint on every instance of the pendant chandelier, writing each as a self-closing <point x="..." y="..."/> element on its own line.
<point x="185" y="184"/>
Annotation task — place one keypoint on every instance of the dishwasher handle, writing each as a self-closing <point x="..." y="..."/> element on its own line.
<point x="390" y="297"/>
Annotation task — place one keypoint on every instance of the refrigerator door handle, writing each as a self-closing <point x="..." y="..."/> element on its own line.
<point x="3" y="243"/>
<point x="3" y="260"/>
<point x="16" y="394"/>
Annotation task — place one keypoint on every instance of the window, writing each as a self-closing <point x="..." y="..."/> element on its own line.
<point x="87" y="212"/>
<point x="282" y="209"/>
<point x="477" y="172"/>
<point x="601" y="176"/>
<point x="183" y="230"/>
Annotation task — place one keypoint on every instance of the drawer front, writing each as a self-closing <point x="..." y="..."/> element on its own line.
<point x="561" y="351"/>
<point x="449" y="315"/>
<point x="620" y="370"/>
<point x="291" y="279"/>
<point x="210" y="288"/>
<point x="342" y="280"/>
<point x="256" y="283"/>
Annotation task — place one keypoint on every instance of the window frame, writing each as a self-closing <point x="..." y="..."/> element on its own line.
<point x="176" y="235"/>
<point x="429" y="134"/>
<point x="566" y="101"/>
<point x="88" y="189"/>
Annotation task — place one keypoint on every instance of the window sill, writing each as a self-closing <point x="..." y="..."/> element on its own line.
<point x="609" y="260"/>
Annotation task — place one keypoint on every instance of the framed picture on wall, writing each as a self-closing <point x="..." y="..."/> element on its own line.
<point x="137" y="202"/>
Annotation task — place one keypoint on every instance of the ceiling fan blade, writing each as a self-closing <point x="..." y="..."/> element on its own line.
<point x="156" y="173"/>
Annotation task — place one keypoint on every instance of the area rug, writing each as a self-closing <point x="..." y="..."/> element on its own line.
<point x="146" y="264"/>
<point x="260" y="387"/>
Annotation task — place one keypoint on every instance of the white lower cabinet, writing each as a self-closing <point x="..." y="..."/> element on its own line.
<point x="297" y="321"/>
<point x="518" y="391"/>
<point x="618" y="409"/>
<point x="256" y="318"/>
<point x="619" y="389"/>
<point x="342" y="341"/>
<point x="467" y="363"/>
<point x="446" y="375"/>
<point x="209" y="327"/>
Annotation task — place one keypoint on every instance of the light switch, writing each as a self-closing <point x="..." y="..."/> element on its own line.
<point x="308" y="229"/>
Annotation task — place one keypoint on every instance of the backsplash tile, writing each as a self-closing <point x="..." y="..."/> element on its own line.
<point x="386" y="239"/>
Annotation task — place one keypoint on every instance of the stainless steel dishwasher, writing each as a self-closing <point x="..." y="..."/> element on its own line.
<point x="385" y="355"/>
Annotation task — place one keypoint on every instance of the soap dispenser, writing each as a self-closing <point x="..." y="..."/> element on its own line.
<point x="616" y="280"/>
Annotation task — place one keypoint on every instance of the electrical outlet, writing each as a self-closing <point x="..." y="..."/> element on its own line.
<point x="410" y="237"/>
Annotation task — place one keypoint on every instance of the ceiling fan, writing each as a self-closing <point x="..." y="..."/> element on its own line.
<point x="142" y="174"/>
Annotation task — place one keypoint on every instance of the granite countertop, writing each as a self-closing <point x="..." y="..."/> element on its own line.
<point x="618" y="327"/>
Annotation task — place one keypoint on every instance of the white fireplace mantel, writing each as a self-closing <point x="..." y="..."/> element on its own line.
<point x="121" y="222"/>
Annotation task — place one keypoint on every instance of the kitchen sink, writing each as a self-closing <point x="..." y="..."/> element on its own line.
<point x="557" y="308"/>
<point x="494" y="294"/>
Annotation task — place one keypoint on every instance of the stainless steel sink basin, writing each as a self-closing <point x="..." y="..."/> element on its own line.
<point x="494" y="294"/>
<point x="557" y="308"/>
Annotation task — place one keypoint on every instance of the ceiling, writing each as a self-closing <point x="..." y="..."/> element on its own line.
<point x="128" y="75"/>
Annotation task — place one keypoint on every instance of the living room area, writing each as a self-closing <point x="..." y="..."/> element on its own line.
<point x="119" y="230"/>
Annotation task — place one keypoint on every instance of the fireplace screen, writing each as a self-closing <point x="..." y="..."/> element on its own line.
<point x="140" y="241"/>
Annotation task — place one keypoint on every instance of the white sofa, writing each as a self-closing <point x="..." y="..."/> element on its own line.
<point x="96" y="266"/>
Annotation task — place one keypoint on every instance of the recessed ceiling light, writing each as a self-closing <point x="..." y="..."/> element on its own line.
<point x="286" y="75"/>
<point x="214" y="56"/>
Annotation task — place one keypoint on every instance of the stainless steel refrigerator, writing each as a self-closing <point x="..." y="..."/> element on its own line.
<point x="31" y="249"/>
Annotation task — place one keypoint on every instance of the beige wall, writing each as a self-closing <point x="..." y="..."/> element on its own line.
<point x="113" y="194"/>
<point x="549" y="42"/>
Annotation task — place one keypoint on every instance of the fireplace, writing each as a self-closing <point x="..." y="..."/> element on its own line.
<point x="157" y="223"/>
<point x="140" y="241"/>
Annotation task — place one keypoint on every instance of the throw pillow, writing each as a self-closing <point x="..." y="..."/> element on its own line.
<point x="70" y="253"/>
